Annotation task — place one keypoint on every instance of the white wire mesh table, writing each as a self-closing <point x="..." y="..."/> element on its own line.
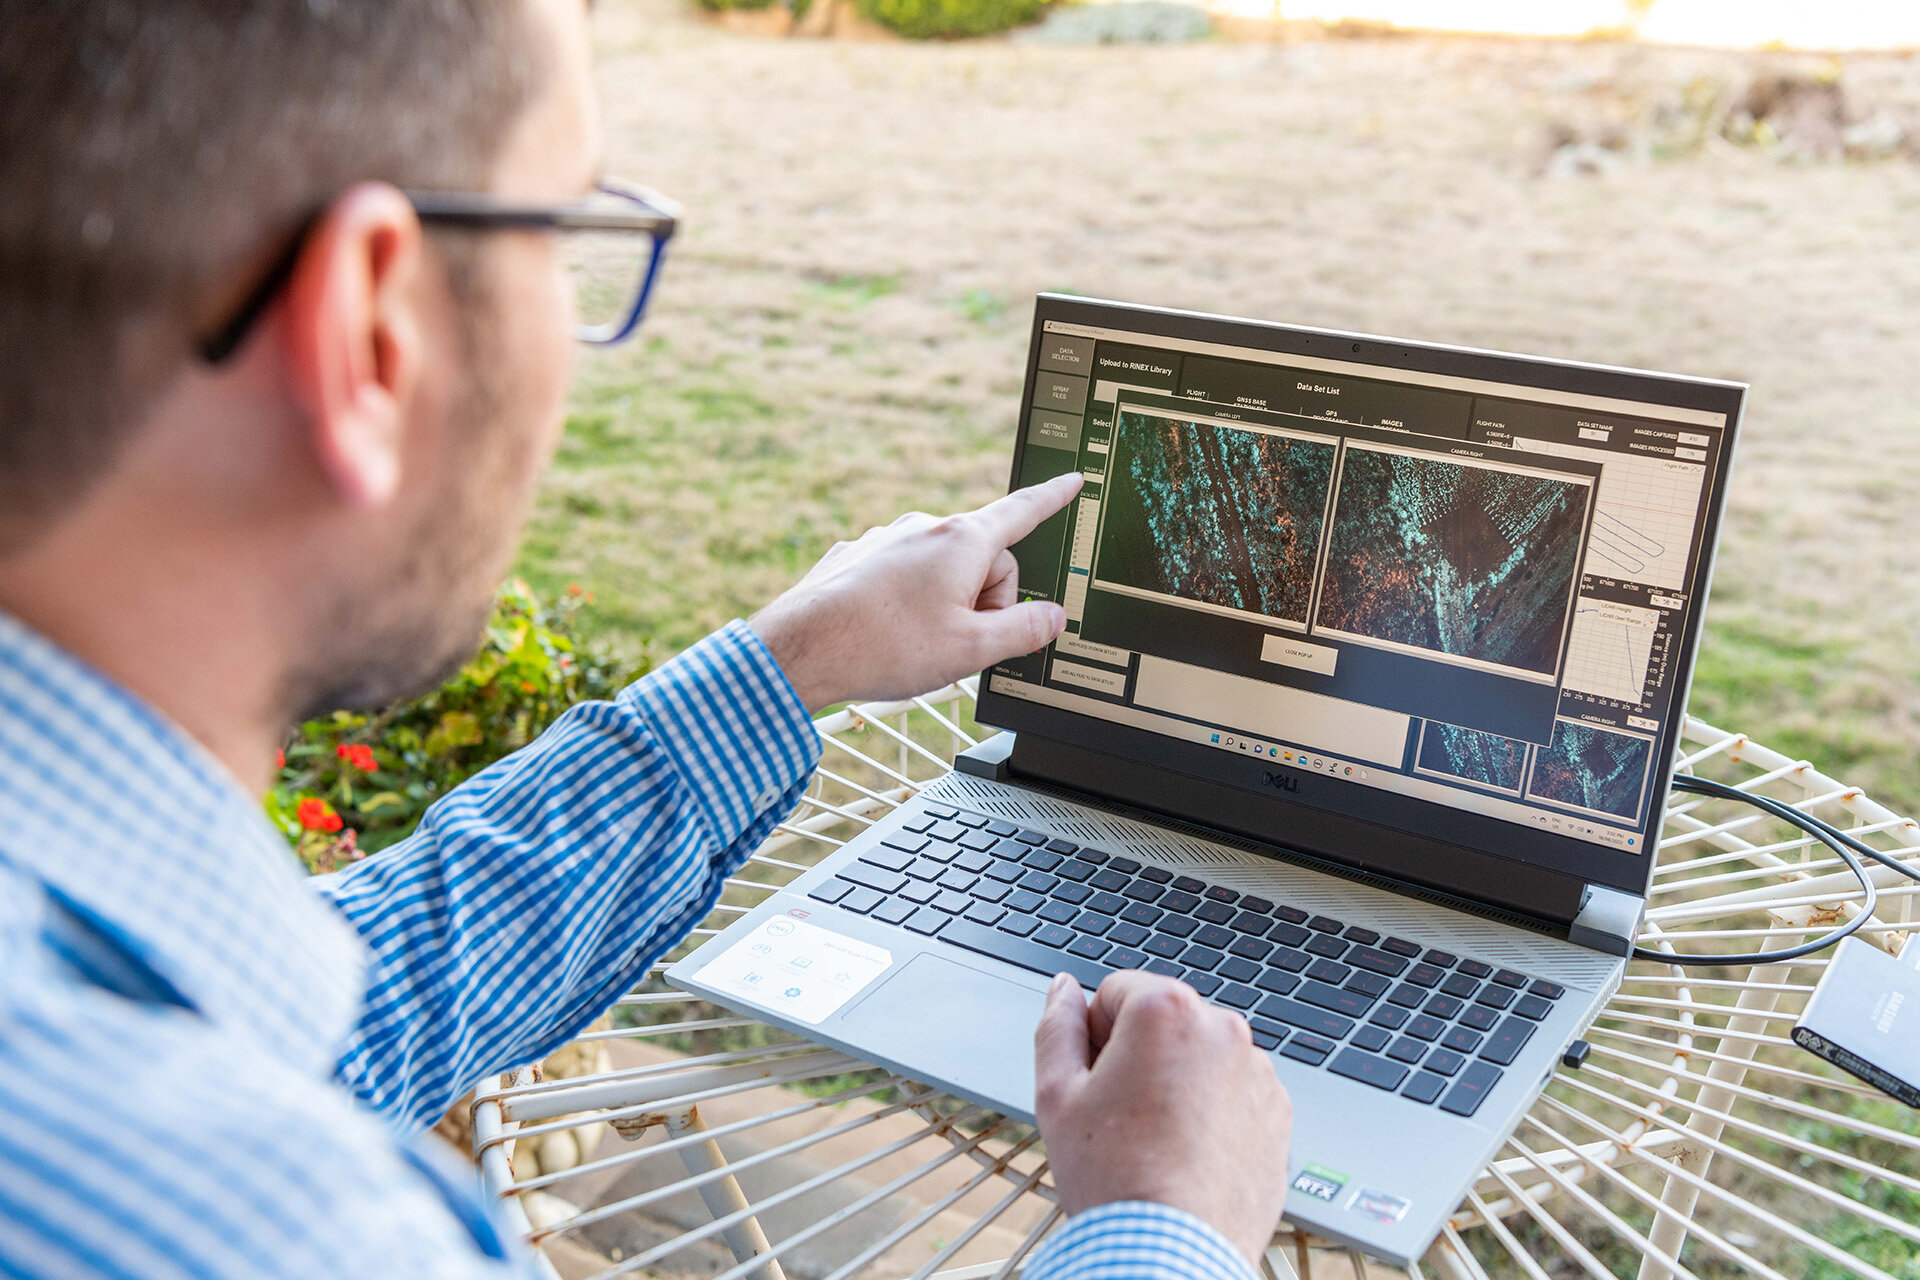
<point x="1696" y="1141"/>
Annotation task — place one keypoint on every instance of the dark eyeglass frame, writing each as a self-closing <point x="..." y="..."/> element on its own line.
<point x="647" y="213"/>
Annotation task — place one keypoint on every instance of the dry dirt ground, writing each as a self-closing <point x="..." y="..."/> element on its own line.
<point x="844" y="319"/>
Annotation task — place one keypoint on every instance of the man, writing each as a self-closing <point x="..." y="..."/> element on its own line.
<point x="265" y="445"/>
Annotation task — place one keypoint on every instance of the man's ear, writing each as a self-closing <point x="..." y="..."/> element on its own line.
<point x="353" y="338"/>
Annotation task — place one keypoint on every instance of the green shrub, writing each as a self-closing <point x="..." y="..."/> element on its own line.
<point x="352" y="783"/>
<point x="950" y="19"/>
<point x="722" y="6"/>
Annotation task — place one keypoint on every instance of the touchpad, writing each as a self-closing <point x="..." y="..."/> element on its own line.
<point x="965" y="1027"/>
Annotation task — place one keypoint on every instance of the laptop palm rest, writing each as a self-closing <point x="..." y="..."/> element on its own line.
<point x="955" y="1022"/>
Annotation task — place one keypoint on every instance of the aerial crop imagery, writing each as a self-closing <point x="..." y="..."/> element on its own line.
<point x="1589" y="768"/>
<point x="1472" y="756"/>
<point x="1219" y="515"/>
<point x="1457" y="559"/>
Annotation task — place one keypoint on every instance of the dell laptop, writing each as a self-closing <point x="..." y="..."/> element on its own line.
<point x="1362" y="725"/>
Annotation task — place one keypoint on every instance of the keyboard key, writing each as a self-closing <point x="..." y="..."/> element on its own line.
<point x="1205" y="983"/>
<point x="1459" y="984"/>
<point x="1278" y="981"/>
<point x="1018" y="925"/>
<point x="1474" y="969"/>
<point x="950" y="902"/>
<point x="1309" y="1049"/>
<point x="1424" y="1087"/>
<point x="1141" y="913"/>
<point x="1445" y="1007"/>
<point x="1068" y="891"/>
<point x="1547" y="990"/>
<point x="1250" y="922"/>
<point x="927" y="920"/>
<point x="1214" y="912"/>
<point x="830" y="890"/>
<point x="1011" y="850"/>
<point x="1091" y="948"/>
<point x="977" y="840"/>
<point x="1042" y="860"/>
<point x="970" y="820"/>
<point x="1162" y="966"/>
<point x="1128" y="934"/>
<point x="1407" y="996"/>
<point x="861" y="901"/>
<point x="894" y="912"/>
<point x="1329" y="972"/>
<point x="1024" y="900"/>
<point x="1371" y="983"/>
<point x="1235" y="969"/>
<point x="1426" y="975"/>
<point x="1212" y="935"/>
<point x="925" y="868"/>
<point x="989" y="890"/>
<point x="1407" y="1050"/>
<point x="1368" y="1068"/>
<point x="1390" y="1016"/>
<point x="1365" y="937"/>
<point x="1038" y="881"/>
<point x="1056" y="912"/>
<point x="1095" y="856"/>
<point x="1107" y="904"/>
<point x="1290" y="960"/>
<point x="1005" y="872"/>
<point x="1125" y="866"/>
<point x="906" y="842"/>
<point x="1479" y="1017"/>
<point x="1441" y="959"/>
<point x="1325" y="924"/>
<point x="1252" y="948"/>
<point x="918" y="823"/>
<point x="1268" y="1025"/>
<point x="946" y="831"/>
<point x="1471" y="1089"/>
<point x="918" y="891"/>
<point x="1125" y="957"/>
<point x="1508" y="978"/>
<point x="1034" y="837"/>
<point x="1156" y="875"/>
<point x="1372" y="1039"/>
<point x="1445" y="1061"/>
<point x="1287" y="935"/>
<point x="1461" y="1040"/>
<point x="1061" y="847"/>
<point x="1023" y="952"/>
<point x="973" y="862"/>
<point x="1292" y="915"/>
<point x="1220" y="893"/>
<point x="1199" y="957"/>
<point x="1075" y="870"/>
<point x="1401" y="947"/>
<point x="1426" y="1027"/>
<point x="1179" y="900"/>
<point x="1165" y="946"/>
<point x="1238" y="995"/>
<point x="1187" y="884"/>
<point x="985" y="913"/>
<point x="1494" y="997"/>
<point x="1002" y="828"/>
<point x="1306" y="1017"/>
<point x="1326" y="945"/>
<point x="1053" y="935"/>
<point x="888" y="859"/>
<point x="1141" y="891"/>
<point x="1259" y="906"/>
<point x="1504" y="1045"/>
<point x="1266" y="1040"/>
<point x="956" y="880"/>
<point x="1092" y="922"/>
<point x="888" y="882"/>
<point x="1178" y="926"/>
<point x="1353" y="1004"/>
<point x="1533" y="1007"/>
<point x="1109" y="880"/>
<point x="1364" y="957"/>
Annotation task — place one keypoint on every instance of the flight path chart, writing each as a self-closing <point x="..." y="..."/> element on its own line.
<point x="1647" y="510"/>
<point x="1611" y="649"/>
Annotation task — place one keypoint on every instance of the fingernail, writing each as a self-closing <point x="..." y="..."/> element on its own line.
<point x="1058" y="618"/>
<point x="1058" y="985"/>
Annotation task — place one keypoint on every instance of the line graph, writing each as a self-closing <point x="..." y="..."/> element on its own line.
<point x="1610" y="649"/>
<point x="1643" y="525"/>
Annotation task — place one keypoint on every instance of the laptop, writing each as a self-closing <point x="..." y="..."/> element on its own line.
<point x="1362" y="725"/>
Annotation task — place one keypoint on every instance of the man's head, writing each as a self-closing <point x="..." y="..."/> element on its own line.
<point x="346" y="486"/>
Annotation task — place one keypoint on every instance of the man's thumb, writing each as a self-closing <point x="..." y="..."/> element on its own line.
<point x="1018" y="629"/>
<point x="1060" y="1050"/>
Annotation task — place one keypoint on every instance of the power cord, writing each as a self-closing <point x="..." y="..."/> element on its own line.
<point x="1826" y="833"/>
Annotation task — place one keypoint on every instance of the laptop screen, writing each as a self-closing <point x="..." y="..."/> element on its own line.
<point x="1474" y="588"/>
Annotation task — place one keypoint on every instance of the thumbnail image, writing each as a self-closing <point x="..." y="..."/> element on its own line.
<point x="1472" y="756"/>
<point x="1215" y="514"/>
<point x="1470" y="561"/>
<point x="1591" y="768"/>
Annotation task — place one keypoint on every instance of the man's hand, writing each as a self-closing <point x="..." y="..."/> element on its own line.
<point x="915" y="605"/>
<point x="1147" y="1093"/>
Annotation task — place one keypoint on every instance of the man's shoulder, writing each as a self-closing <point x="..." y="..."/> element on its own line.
<point x="144" y="1140"/>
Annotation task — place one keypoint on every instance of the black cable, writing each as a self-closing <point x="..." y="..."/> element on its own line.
<point x="1826" y="833"/>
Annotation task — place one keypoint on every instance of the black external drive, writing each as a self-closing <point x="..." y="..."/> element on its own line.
<point x="1864" y="1017"/>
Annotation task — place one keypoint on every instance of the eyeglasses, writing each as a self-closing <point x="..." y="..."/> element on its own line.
<point x="611" y="269"/>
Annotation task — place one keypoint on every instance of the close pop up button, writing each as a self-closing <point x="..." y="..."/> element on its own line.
<point x="1285" y="651"/>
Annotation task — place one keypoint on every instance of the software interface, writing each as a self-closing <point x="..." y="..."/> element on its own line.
<point x="1462" y="591"/>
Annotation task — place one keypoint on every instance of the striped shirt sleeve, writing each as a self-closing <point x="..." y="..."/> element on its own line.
<point x="1137" y="1240"/>
<point x="533" y="895"/>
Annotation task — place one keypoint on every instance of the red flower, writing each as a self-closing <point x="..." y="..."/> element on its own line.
<point x="280" y="759"/>
<point x="357" y="756"/>
<point x="317" y="815"/>
<point x="573" y="588"/>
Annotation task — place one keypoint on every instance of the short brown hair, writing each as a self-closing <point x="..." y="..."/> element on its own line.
<point x="150" y="152"/>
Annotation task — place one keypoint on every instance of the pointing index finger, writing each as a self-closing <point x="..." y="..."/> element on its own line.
<point x="1013" y="517"/>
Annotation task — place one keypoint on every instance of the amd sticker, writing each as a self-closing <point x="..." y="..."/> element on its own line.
<point x="1320" y="1182"/>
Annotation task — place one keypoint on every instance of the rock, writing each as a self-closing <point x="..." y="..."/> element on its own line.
<point x="1876" y="138"/>
<point x="1122" y="22"/>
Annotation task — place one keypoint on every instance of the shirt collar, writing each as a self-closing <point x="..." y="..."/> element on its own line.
<point x="122" y="814"/>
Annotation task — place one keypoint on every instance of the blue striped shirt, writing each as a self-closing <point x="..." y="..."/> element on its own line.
<point x="212" y="1066"/>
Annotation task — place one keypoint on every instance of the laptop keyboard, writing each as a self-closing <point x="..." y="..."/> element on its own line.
<point x="1430" y="1026"/>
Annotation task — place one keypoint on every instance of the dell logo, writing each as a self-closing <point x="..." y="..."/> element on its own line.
<point x="1282" y="781"/>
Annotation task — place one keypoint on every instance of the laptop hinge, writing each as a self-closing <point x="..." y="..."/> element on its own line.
<point x="1609" y="920"/>
<point x="987" y="759"/>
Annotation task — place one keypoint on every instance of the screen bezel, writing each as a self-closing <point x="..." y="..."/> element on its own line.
<point x="1535" y="872"/>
